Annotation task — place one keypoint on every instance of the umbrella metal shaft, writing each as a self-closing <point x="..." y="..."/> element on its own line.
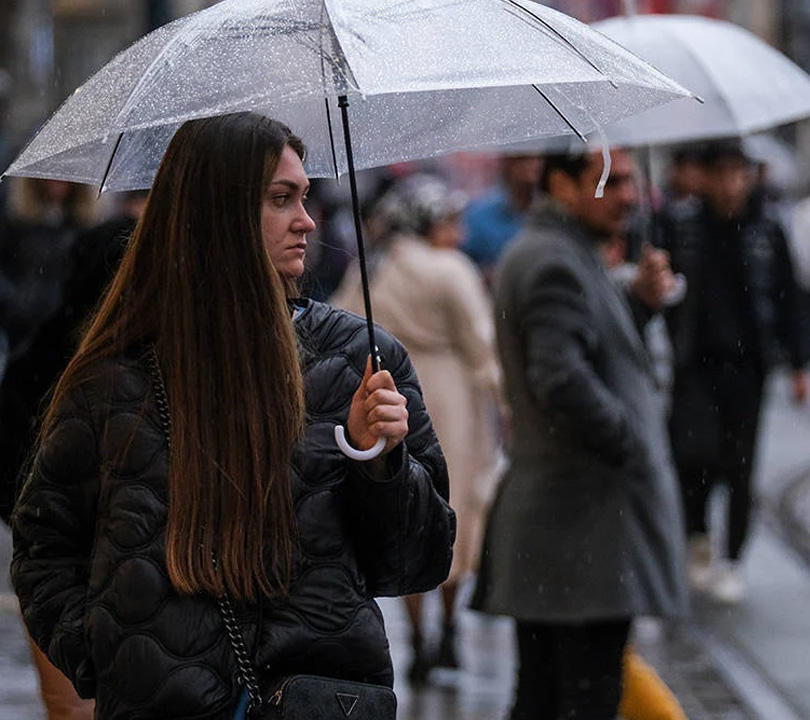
<point x="343" y="103"/>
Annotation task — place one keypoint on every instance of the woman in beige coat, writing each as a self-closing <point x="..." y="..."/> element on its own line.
<point x="429" y="295"/>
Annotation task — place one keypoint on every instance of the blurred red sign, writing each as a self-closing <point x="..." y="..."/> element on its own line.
<point x="592" y="10"/>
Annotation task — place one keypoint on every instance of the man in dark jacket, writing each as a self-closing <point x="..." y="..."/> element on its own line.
<point x="585" y="532"/>
<point x="742" y="314"/>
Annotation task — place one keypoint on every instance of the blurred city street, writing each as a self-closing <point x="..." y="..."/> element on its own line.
<point x="749" y="662"/>
<point x="488" y="258"/>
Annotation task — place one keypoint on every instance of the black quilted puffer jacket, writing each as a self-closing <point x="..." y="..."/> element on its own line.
<point x="89" y="554"/>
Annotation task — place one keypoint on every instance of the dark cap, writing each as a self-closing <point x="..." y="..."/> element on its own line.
<point x="691" y="153"/>
<point x="720" y="150"/>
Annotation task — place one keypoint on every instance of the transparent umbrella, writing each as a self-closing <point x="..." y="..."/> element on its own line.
<point x="423" y="77"/>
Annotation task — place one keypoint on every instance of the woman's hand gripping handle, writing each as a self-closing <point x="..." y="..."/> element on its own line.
<point x="378" y="418"/>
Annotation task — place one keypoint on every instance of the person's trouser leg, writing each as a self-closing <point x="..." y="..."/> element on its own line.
<point x="695" y="435"/>
<point x="740" y="409"/>
<point x="569" y="672"/>
<point x="696" y="485"/>
<point x="534" y="692"/>
<point x="58" y="695"/>
<point x="589" y="668"/>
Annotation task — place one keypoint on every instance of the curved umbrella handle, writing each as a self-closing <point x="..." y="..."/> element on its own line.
<point x="354" y="454"/>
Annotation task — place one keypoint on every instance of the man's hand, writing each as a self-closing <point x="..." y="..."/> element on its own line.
<point x="799" y="384"/>
<point x="378" y="410"/>
<point x="654" y="279"/>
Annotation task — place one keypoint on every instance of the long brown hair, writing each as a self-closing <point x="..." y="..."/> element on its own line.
<point x="197" y="282"/>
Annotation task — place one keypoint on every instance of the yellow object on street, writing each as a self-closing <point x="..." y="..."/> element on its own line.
<point x="645" y="695"/>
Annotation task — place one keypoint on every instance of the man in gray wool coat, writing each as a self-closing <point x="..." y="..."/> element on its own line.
<point x="586" y="530"/>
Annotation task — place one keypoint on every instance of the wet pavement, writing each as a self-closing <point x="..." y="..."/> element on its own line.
<point x="483" y="690"/>
<point x="747" y="662"/>
<point x="18" y="681"/>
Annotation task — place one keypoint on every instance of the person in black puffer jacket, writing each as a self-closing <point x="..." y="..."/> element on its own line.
<point x="169" y="441"/>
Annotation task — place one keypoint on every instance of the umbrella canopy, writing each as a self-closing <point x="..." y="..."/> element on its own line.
<point x="778" y="156"/>
<point x="746" y="85"/>
<point x="423" y="77"/>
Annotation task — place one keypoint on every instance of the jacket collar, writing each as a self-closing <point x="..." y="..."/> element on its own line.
<point x="549" y="214"/>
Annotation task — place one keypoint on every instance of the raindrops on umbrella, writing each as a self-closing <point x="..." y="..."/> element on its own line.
<point x="410" y="79"/>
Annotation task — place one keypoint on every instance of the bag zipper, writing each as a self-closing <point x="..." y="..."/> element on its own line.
<point x="275" y="700"/>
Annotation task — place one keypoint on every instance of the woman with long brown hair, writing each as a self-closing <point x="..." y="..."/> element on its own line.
<point x="186" y="456"/>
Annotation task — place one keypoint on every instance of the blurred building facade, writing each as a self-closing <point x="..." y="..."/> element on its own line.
<point x="49" y="47"/>
<point x="591" y="10"/>
<point x="760" y="16"/>
<point x="795" y="30"/>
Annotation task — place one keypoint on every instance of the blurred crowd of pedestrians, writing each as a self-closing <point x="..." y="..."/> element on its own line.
<point x="632" y="355"/>
<point x="592" y="375"/>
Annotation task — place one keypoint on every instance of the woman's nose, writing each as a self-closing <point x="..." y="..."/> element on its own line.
<point x="305" y="222"/>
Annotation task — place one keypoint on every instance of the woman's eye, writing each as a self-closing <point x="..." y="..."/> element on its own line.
<point x="280" y="200"/>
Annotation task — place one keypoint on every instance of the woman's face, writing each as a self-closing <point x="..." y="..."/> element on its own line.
<point x="446" y="232"/>
<point x="285" y="221"/>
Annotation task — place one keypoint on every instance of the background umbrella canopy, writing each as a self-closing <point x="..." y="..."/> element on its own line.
<point x="747" y="85"/>
<point x="424" y="77"/>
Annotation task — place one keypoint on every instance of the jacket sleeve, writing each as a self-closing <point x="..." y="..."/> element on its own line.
<point x="561" y="348"/>
<point x="405" y="527"/>
<point x="53" y="527"/>
<point x="793" y="320"/>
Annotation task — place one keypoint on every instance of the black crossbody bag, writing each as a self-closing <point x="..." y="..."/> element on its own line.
<point x="303" y="697"/>
<point x="288" y="697"/>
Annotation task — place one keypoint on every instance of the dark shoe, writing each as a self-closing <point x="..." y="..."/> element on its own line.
<point x="420" y="663"/>
<point x="448" y="657"/>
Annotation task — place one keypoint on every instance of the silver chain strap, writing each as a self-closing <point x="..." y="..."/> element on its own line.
<point x="245" y="674"/>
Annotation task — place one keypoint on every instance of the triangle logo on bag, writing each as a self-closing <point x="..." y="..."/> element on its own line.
<point x="347" y="702"/>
